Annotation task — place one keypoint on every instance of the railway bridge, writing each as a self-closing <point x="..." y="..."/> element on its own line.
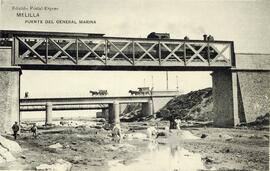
<point x="240" y="81"/>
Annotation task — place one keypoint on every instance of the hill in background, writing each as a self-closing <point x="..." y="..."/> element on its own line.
<point x="196" y="105"/>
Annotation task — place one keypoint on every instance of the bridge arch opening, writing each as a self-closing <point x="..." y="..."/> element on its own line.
<point x="73" y="84"/>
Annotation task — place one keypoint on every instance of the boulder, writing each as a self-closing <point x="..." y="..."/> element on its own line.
<point x="204" y="136"/>
<point x="151" y="132"/>
<point x="5" y="155"/>
<point x="226" y="137"/>
<point x="187" y="135"/>
<point x="10" y="145"/>
<point x="136" y="135"/>
<point x="57" y="145"/>
<point x="59" y="165"/>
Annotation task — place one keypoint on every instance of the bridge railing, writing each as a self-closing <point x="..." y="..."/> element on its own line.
<point x="112" y="51"/>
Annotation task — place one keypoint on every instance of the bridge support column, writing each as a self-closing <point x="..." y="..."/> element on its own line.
<point x="225" y="100"/>
<point x="105" y="114"/>
<point x="147" y="108"/>
<point x="114" y="113"/>
<point x="9" y="91"/>
<point x="48" y="118"/>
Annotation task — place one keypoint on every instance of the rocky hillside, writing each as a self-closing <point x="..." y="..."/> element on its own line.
<point x="196" y="105"/>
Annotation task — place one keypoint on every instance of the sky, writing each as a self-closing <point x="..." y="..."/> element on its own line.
<point x="245" y="22"/>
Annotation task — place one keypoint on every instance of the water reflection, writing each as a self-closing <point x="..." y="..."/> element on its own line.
<point x="162" y="158"/>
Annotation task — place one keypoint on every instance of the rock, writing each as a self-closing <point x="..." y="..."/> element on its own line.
<point x="161" y="134"/>
<point x="63" y="123"/>
<point x="76" y="160"/>
<point x="204" y="136"/>
<point x="23" y="157"/>
<point x="57" y="145"/>
<point x="2" y="160"/>
<point x="10" y="145"/>
<point x="6" y="155"/>
<point x="187" y="135"/>
<point x="162" y="141"/>
<point x="207" y="160"/>
<point x="136" y="135"/>
<point x="59" y="165"/>
<point x="226" y="137"/>
<point x="166" y="128"/>
<point x="151" y="132"/>
<point x="101" y="120"/>
<point x="126" y="146"/>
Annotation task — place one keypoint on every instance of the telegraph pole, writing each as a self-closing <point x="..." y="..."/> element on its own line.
<point x="152" y="78"/>
<point x="144" y="82"/>
<point x="177" y="86"/>
<point x="167" y="80"/>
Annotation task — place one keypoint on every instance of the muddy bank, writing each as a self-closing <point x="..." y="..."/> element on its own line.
<point x="89" y="148"/>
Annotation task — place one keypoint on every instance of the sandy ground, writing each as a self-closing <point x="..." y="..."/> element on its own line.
<point x="91" y="149"/>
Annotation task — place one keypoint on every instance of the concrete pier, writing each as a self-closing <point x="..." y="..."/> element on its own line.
<point x="147" y="108"/>
<point x="9" y="91"/>
<point x="223" y="100"/>
<point x="48" y="118"/>
<point x="114" y="113"/>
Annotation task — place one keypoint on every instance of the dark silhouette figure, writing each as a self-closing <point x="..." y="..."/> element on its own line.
<point x="15" y="128"/>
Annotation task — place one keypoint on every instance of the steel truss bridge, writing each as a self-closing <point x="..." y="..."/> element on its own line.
<point x="43" y="50"/>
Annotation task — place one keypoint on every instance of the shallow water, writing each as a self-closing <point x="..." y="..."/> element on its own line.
<point x="161" y="158"/>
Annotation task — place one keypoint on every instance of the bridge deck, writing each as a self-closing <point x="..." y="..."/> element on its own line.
<point x="90" y="100"/>
<point x="50" y="51"/>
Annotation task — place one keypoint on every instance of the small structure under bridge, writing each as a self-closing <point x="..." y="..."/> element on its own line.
<point x="108" y="105"/>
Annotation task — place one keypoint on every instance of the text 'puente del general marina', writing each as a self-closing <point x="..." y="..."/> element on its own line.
<point x="240" y="81"/>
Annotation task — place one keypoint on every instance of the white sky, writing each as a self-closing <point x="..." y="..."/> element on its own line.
<point x="245" y="22"/>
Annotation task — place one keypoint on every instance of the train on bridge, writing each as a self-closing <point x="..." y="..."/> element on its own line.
<point x="81" y="49"/>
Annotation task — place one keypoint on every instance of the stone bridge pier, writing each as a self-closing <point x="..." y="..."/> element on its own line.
<point x="241" y="94"/>
<point x="147" y="108"/>
<point x="9" y="91"/>
<point x="48" y="116"/>
<point x="115" y="111"/>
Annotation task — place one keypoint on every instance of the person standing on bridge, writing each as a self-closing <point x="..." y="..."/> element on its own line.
<point x="15" y="129"/>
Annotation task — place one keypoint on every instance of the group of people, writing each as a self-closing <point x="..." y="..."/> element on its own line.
<point x="16" y="129"/>
<point x="151" y="131"/>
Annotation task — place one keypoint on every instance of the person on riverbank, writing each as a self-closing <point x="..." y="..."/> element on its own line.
<point x="178" y="122"/>
<point x="34" y="130"/>
<point x="116" y="133"/>
<point x="15" y="129"/>
<point x="172" y="122"/>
